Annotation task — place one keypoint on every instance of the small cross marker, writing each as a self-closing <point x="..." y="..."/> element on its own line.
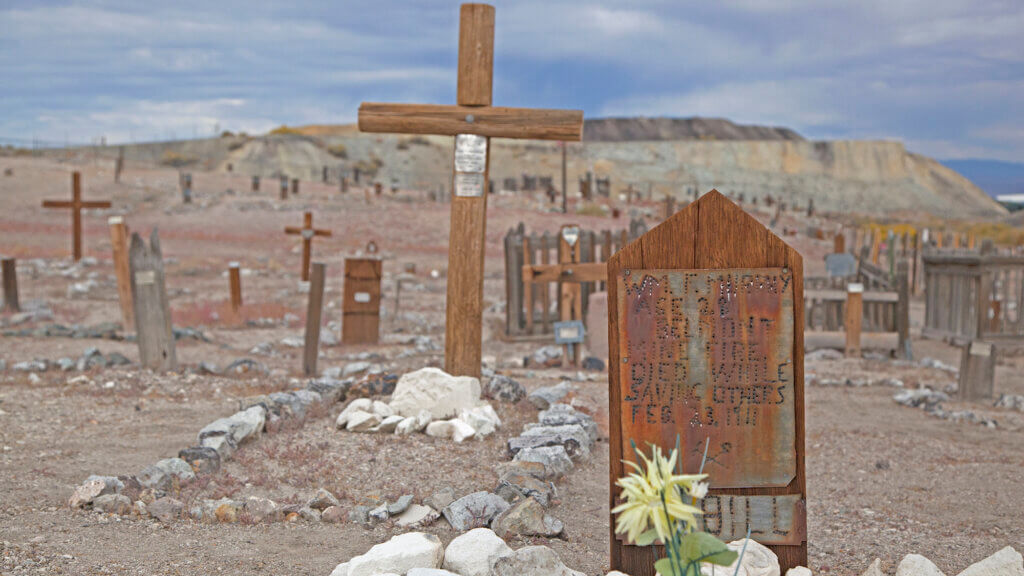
<point x="307" y="232"/>
<point x="76" y="204"/>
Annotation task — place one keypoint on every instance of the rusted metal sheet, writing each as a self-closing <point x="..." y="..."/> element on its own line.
<point x="780" y="519"/>
<point x="708" y="354"/>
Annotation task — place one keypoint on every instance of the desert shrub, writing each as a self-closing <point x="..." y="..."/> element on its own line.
<point x="338" y="151"/>
<point x="592" y="210"/>
<point x="284" y="129"/>
<point x="176" y="159"/>
<point x="227" y="134"/>
<point x="418" y="141"/>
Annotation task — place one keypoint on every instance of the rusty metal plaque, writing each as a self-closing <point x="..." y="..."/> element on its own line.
<point x="707" y="356"/>
<point x="780" y="519"/>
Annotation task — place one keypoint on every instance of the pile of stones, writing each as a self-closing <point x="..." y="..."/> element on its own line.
<point x="150" y="492"/>
<point x="1011" y="401"/>
<point x="931" y="402"/>
<point x="91" y="358"/>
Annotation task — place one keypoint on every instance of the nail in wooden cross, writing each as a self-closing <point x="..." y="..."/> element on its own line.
<point x="76" y="204"/>
<point x="307" y="232"/>
<point x="473" y="121"/>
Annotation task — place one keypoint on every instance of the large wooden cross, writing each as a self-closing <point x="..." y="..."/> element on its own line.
<point x="473" y="122"/>
<point x="307" y="232"/>
<point x="76" y="204"/>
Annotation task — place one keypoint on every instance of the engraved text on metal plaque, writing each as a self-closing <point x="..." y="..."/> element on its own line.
<point x="470" y="153"/>
<point x="469" y="185"/>
<point x="707" y="355"/>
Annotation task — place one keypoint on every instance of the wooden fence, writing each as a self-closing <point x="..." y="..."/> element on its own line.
<point x="595" y="246"/>
<point x="886" y="311"/>
<point x="974" y="295"/>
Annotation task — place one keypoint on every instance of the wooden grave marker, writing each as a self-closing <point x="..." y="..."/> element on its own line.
<point x="235" y="285"/>
<point x="295" y="186"/>
<point x="977" y="371"/>
<point x="255" y="183"/>
<point x="360" y="308"/>
<point x="706" y="345"/>
<point x="76" y="205"/>
<point x="307" y="232"/>
<point x="152" y="312"/>
<point x="185" y="180"/>
<point x="122" y="268"/>
<point x="854" y="318"/>
<point x="314" y="316"/>
<point x="10" y="279"/>
<point x="473" y="121"/>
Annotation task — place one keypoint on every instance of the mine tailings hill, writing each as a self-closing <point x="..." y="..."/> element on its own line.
<point x="675" y="157"/>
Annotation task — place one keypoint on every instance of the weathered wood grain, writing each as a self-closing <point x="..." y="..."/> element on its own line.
<point x="476" y="55"/>
<point x="122" y="268"/>
<point x="360" y="323"/>
<point x="314" y="315"/>
<point x="10" y="280"/>
<point x="493" y="122"/>
<point x="152" y="312"/>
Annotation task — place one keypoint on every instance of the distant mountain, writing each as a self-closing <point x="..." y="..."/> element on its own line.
<point x="661" y="129"/>
<point x="992" y="176"/>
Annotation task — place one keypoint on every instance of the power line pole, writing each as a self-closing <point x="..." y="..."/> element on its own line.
<point x="565" y="209"/>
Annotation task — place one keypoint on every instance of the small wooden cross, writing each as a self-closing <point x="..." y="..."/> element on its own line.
<point x="76" y="204"/>
<point x="307" y="232"/>
<point x="473" y="121"/>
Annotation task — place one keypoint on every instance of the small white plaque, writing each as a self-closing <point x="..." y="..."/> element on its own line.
<point x="307" y="233"/>
<point x="115" y="220"/>
<point x="145" y="277"/>
<point x="361" y="297"/>
<point x="980" y="349"/>
<point x="571" y="234"/>
<point x="469" y="185"/>
<point x="470" y="153"/>
<point x="855" y="288"/>
<point x="234" y="265"/>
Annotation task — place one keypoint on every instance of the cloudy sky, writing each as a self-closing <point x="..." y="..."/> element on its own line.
<point x="946" y="77"/>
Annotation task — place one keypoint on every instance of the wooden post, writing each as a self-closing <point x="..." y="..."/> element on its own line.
<point x="186" y="188"/>
<point x="344" y="184"/>
<point x="977" y="371"/>
<point x="119" y="165"/>
<point x="565" y="182"/>
<point x="527" y="288"/>
<point x="314" y="312"/>
<point x="255" y="183"/>
<point x="325" y="175"/>
<point x="570" y="241"/>
<point x="122" y="268"/>
<point x="76" y="205"/>
<point x="473" y="121"/>
<point x="360" y="307"/>
<point x="839" y="243"/>
<point x="235" y="285"/>
<point x="903" y="310"/>
<point x="854" y="318"/>
<point x="670" y="206"/>
<point x="295" y="186"/>
<point x="10" y="278"/>
<point x="707" y="240"/>
<point x="284" y="187"/>
<point x="152" y="312"/>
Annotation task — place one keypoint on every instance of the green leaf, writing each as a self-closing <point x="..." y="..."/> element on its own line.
<point x="647" y="538"/>
<point x="665" y="568"/>
<point x="703" y="547"/>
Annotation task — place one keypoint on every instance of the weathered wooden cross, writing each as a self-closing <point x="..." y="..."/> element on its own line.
<point x="473" y="121"/>
<point x="76" y="204"/>
<point x="307" y="232"/>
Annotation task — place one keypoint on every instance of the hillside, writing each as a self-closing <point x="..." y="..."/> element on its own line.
<point x="870" y="177"/>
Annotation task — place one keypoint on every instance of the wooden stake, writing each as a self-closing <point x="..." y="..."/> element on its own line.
<point x="307" y="232"/>
<point x="473" y="120"/>
<point x="839" y="243"/>
<point x="854" y="316"/>
<point x="295" y="186"/>
<point x="571" y="293"/>
<point x="360" y="322"/>
<point x="122" y="268"/>
<point x="284" y="187"/>
<point x="235" y="284"/>
<point x="977" y="371"/>
<point x="255" y="183"/>
<point x="76" y="204"/>
<point x="10" y="278"/>
<point x="152" y="312"/>
<point x="314" y="314"/>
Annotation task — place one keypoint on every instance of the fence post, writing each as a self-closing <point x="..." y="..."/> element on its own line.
<point x="903" y="310"/>
<point x="10" y="274"/>
<point x="977" y="371"/>
<point x="235" y="283"/>
<point x="854" y="317"/>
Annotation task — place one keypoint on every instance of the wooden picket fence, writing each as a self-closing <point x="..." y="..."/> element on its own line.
<point x="974" y="295"/>
<point x="886" y="311"/>
<point x="595" y="246"/>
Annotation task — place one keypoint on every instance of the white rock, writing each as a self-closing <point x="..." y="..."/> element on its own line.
<point x="799" y="571"/>
<point x="758" y="560"/>
<point x="400" y="554"/>
<point x="430" y="572"/>
<point x="473" y="553"/>
<point x="340" y="570"/>
<point x="483" y="419"/>
<point x="417" y="515"/>
<point x="917" y="565"/>
<point x="532" y="561"/>
<point x="616" y="573"/>
<point x="406" y="426"/>
<point x="381" y="409"/>
<point x="357" y="405"/>
<point x="1006" y="562"/>
<point x="434" y="390"/>
<point x="389" y="424"/>
<point x="360" y="421"/>
<point x="461" y="431"/>
<point x="875" y="569"/>
<point x="441" y="429"/>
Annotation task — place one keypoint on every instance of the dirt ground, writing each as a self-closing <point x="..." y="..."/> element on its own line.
<point x="883" y="480"/>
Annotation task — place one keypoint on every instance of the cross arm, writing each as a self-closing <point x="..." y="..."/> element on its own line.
<point x="585" y="272"/>
<point x="321" y="232"/>
<point x="293" y="230"/>
<point x="57" y="204"/>
<point x="491" y="121"/>
<point x="96" y="204"/>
